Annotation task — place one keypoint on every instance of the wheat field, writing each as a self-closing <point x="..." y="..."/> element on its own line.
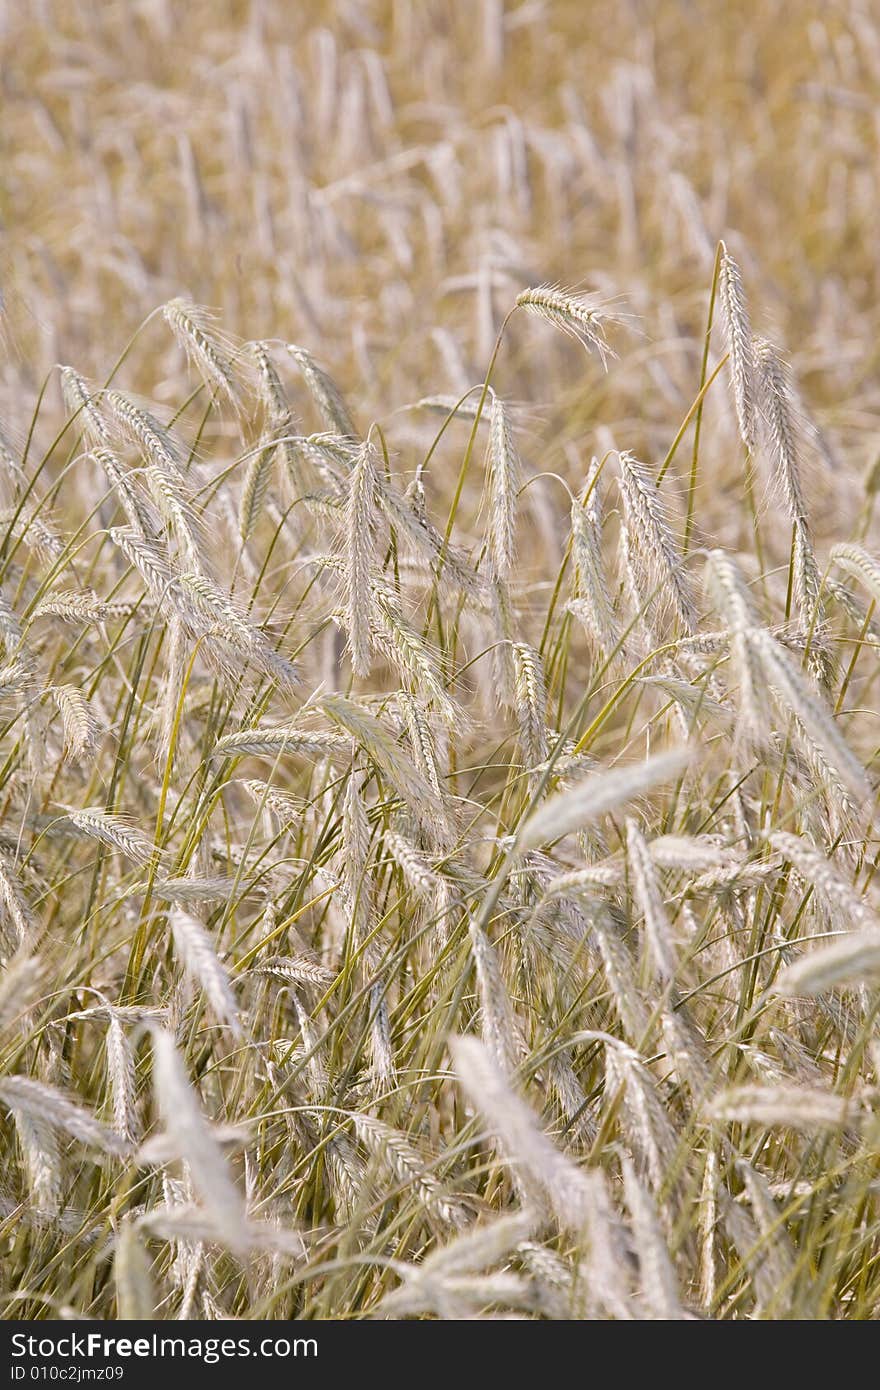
<point x="438" y="699"/>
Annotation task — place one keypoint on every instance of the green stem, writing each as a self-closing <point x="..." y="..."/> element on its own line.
<point x="692" y="486"/>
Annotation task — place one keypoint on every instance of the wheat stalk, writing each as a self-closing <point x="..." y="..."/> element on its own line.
<point x="192" y="327"/>
<point x="580" y="316"/>
<point x="738" y="334"/>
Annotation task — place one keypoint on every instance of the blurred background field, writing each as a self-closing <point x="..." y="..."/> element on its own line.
<point x="378" y="181"/>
